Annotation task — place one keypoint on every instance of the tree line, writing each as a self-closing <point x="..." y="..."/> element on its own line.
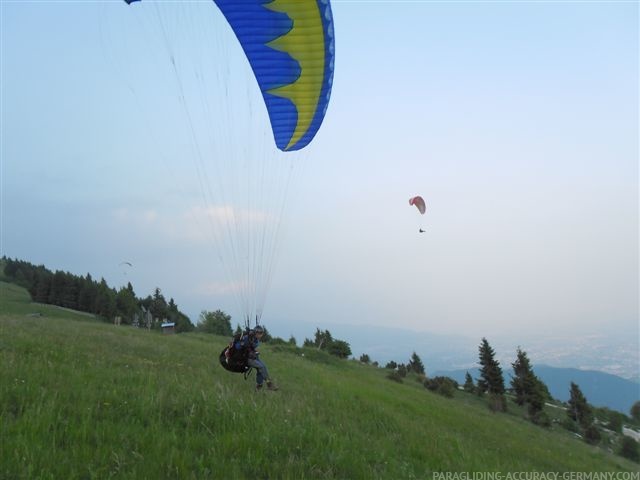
<point x="85" y="294"/>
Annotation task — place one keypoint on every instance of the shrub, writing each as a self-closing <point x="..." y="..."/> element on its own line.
<point x="395" y="376"/>
<point x="541" y="418"/>
<point x="630" y="449"/>
<point x="570" y="425"/>
<point x="444" y="386"/>
<point x="592" y="435"/>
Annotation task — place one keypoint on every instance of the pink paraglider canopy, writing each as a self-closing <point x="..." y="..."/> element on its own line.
<point x="419" y="204"/>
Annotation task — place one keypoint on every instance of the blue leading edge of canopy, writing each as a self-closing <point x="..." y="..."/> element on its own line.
<point x="255" y="26"/>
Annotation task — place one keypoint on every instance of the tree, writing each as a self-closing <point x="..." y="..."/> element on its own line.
<point x="468" y="387"/>
<point x="69" y="298"/>
<point x="87" y="294"/>
<point x="127" y="304"/>
<point x="523" y="379"/>
<point x="159" y="307"/>
<point x="635" y="411"/>
<point x="217" y="323"/>
<point x="579" y="409"/>
<point x="528" y="388"/>
<point x="266" y="336"/>
<point x="58" y="284"/>
<point x="391" y="365"/>
<point x="364" y="358"/>
<point x="340" y="349"/>
<point x="415" y="364"/>
<point x="183" y="323"/>
<point x="536" y="397"/>
<point x="43" y="287"/>
<point x="105" y="303"/>
<point x="592" y="434"/>
<point x="292" y="340"/>
<point x="491" y="379"/>
<point x="322" y="339"/>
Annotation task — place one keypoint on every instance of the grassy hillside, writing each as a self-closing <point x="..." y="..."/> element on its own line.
<point x="84" y="399"/>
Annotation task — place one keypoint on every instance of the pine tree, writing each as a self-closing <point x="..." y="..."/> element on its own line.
<point x="126" y="304"/>
<point x="635" y="411"/>
<point x="42" y="288"/>
<point x="468" y="383"/>
<point x="579" y="409"/>
<point x="528" y="388"/>
<point x="536" y="398"/>
<point x="522" y="382"/>
<point x="415" y="364"/>
<point x="491" y="379"/>
<point x="87" y="294"/>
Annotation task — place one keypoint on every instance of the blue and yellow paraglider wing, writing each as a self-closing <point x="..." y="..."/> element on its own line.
<point x="290" y="47"/>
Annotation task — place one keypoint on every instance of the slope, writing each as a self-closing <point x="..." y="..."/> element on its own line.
<point x="84" y="399"/>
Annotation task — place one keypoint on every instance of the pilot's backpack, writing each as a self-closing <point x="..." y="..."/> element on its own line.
<point x="233" y="359"/>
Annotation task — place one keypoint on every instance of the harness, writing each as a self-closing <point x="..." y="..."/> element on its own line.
<point x="236" y="360"/>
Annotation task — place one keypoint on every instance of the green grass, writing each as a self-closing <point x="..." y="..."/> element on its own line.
<point x="85" y="399"/>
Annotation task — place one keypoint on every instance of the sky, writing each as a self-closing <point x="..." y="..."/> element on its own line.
<point x="516" y="121"/>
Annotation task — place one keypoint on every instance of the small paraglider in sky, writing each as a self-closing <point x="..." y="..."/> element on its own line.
<point x="125" y="267"/>
<point x="419" y="203"/>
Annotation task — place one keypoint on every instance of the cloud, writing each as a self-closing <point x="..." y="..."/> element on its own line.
<point x="192" y="226"/>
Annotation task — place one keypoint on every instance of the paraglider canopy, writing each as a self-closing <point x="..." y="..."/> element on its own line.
<point x="418" y="202"/>
<point x="290" y="47"/>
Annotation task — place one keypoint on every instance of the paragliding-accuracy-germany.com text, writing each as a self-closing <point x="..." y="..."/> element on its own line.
<point x="536" y="476"/>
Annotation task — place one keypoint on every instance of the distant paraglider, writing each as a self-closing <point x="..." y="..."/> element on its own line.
<point x="125" y="267"/>
<point x="419" y="203"/>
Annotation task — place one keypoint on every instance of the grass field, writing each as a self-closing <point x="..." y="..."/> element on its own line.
<point x="85" y="399"/>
